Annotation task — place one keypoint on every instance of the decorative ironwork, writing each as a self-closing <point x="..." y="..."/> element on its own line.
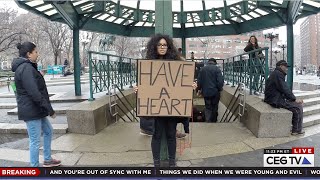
<point x="250" y="71"/>
<point x="106" y="69"/>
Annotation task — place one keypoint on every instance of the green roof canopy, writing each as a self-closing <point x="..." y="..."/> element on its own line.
<point x="136" y="18"/>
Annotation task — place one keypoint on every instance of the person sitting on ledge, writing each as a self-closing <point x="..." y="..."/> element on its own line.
<point x="279" y="95"/>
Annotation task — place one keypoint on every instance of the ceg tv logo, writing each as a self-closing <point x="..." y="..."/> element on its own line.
<point x="295" y="157"/>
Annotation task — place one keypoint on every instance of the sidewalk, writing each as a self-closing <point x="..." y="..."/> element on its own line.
<point x="212" y="145"/>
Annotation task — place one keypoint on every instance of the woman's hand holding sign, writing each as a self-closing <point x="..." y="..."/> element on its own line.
<point x="194" y="85"/>
<point x="135" y="88"/>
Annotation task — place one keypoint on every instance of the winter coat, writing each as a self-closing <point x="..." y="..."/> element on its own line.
<point x="210" y="80"/>
<point x="32" y="94"/>
<point x="250" y="47"/>
<point x="277" y="91"/>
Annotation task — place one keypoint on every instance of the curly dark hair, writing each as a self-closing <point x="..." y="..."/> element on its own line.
<point x="152" y="53"/>
<point x="255" y="39"/>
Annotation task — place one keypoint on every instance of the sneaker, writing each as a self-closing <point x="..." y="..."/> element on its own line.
<point x="52" y="163"/>
<point x="145" y="133"/>
<point x="172" y="163"/>
<point x="256" y="93"/>
<point x="180" y="135"/>
<point x="298" y="133"/>
<point x="156" y="163"/>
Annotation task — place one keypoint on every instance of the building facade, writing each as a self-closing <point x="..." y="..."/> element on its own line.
<point x="221" y="47"/>
<point x="297" y="51"/>
<point x="310" y="41"/>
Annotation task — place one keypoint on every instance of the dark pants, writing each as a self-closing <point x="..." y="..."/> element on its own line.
<point x="297" y="117"/>
<point x="256" y="70"/>
<point x="211" y="104"/>
<point x="168" y="125"/>
<point x="147" y="124"/>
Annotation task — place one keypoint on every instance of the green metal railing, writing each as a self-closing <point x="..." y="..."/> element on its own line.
<point x="6" y="77"/>
<point x="253" y="72"/>
<point x="106" y="69"/>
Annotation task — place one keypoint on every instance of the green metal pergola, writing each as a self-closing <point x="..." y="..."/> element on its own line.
<point x="177" y="18"/>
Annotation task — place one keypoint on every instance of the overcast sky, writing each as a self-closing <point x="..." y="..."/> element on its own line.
<point x="282" y="30"/>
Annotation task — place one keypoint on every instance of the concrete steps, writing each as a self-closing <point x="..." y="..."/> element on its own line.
<point x="312" y="101"/>
<point x="11" y="95"/>
<point x="65" y="79"/>
<point x="12" y="105"/>
<point x="59" y="108"/>
<point x="85" y="76"/>
<point x="310" y="110"/>
<point x="8" y="105"/>
<point x="8" y="128"/>
<point x="311" y="120"/>
<point x="311" y="107"/>
<point x="308" y="95"/>
<point x="64" y="83"/>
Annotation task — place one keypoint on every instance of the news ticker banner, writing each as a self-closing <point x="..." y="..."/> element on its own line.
<point x="145" y="172"/>
<point x="294" y="157"/>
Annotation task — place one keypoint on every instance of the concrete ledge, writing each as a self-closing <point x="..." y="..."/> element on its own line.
<point x="260" y="118"/>
<point x="90" y="117"/>
<point x="57" y="110"/>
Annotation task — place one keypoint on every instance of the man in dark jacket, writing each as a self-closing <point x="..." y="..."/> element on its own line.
<point x="279" y="95"/>
<point x="210" y="83"/>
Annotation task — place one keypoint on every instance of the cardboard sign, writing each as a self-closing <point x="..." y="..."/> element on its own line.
<point x="165" y="88"/>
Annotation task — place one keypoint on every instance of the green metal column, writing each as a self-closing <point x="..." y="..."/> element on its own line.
<point x="163" y="25"/>
<point x="163" y="17"/>
<point x="184" y="47"/>
<point x="290" y="53"/>
<point x="183" y="28"/>
<point x="76" y="62"/>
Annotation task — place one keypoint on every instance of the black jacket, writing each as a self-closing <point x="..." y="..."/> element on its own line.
<point x="32" y="94"/>
<point x="210" y="80"/>
<point x="250" y="47"/>
<point x="277" y="91"/>
<point x="147" y="124"/>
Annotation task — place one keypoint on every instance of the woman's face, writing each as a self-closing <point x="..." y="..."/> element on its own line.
<point x="162" y="47"/>
<point x="253" y="40"/>
<point x="33" y="56"/>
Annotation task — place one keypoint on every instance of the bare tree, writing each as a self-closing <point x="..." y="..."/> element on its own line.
<point x="9" y="34"/>
<point x="58" y="35"/>
<point x="124" y="46"/>
<point x="88" y="41"/>
<point x="93" y="38"/>
<point x="37" y="36"/>
<point x="141" y="47"/>
<point x="68" y="49"/>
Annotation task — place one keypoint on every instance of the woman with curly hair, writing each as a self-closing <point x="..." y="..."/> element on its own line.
<point x="161" y="47"/>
